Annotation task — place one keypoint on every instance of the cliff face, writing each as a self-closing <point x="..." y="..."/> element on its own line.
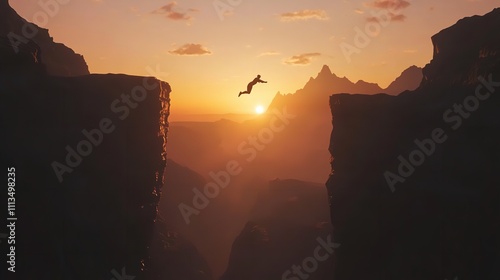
<point x="414" y="186"/>
<point x="89" y="169"/>
<point x="89" y="154"/>
<point x="464" y="51"/>
<point x="20" y="34"/>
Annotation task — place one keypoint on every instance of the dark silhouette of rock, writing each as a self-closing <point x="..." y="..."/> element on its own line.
<point x="59" y="60"/>
<point x="89" y="154"/>
<point x="101" y="216"/>
<point x="267" y="249"/>
<point x="464" y="51"/>
<point x="174" y="257"/>
<point x="27" y="60"/>
<point x="439" y="218"/>
<point x="282" y="231"/>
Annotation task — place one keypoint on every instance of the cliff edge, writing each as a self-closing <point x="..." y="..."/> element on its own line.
<point x="87" y="156"/>
<point x="414" y="185"/>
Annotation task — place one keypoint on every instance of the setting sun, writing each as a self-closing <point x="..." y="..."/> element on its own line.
<point x="259" y="109"/>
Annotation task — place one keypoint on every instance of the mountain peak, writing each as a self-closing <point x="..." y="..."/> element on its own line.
<point x="412" y="68"/>
<point x="409" y="79"/>
<point x="325" y="72"/>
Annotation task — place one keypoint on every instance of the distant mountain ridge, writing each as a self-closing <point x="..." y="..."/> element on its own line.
<point x="326" y="83"/>
<point x="286" y="221"/>
<point x="409" y="79"/>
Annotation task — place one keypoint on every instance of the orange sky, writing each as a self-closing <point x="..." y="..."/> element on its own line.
<point x="209" y="50"/>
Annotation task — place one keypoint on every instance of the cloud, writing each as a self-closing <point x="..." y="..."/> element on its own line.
<point x="268" y="54"/>
<point x="398" y="17"/>
<point x="301" y="59"/>
<point x="394" y="5"/>
<point x="394" y="9"/>
<point x="191" y="49"/>
<point x="168" y="11"/>
<point x="304" y="15"/>
<point x="394" y="17"/>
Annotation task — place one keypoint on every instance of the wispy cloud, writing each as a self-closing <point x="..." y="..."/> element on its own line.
<point x="390" y="4"/>
<point x="304" y="15"/>
<point x="268" y="54"/>
<point x="393" y="7"/>
<point x="172" y="13"/>
<point x="191" y="49"/>
<point x="301" y="59"/>
<point x="393" y="17"/>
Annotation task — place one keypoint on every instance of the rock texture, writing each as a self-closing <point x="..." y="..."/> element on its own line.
<point x="18" y="35"/>
<point x="440" y="218"/>
<point x="89" y="154"/>
<point x="101" y="216"/>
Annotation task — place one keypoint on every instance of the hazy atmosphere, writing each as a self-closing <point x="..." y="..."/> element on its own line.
<point x="250" y="140"/>
<point x="225" y="44"/>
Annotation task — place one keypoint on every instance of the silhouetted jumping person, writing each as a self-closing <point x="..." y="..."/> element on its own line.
<point x="251" y="84"/>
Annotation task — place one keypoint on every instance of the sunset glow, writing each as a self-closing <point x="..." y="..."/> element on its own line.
<point x="209" y="54"/>
<point x="259" y="109"/>
<point x="251" y="139"/>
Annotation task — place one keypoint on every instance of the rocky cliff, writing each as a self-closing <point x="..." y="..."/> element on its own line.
<point x="88" y="155"/>
<point x="414" y="185"/>
<point x="20" y="35"/>
<point x="464" y="51"/>
<point x="89" y="171"/>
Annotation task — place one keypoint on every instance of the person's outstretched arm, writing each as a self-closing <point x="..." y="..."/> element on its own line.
<point x="261" y="81"/>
